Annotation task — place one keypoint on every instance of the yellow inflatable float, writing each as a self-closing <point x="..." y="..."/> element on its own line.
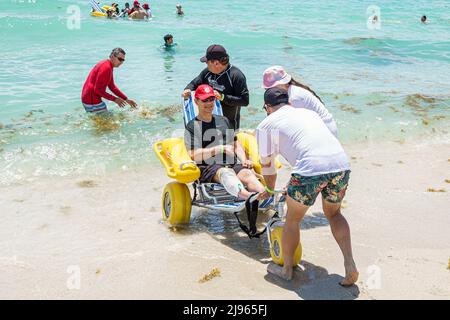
<point x="101" y="14"/>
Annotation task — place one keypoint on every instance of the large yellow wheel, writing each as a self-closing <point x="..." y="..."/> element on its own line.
<point x="276" y="248"/>
<point x="176" y="203"/>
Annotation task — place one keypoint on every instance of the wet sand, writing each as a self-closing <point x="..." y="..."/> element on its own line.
<point x="101" y="237"/>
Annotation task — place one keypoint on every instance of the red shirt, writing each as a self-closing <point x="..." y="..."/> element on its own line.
<point x="100" y="77"/>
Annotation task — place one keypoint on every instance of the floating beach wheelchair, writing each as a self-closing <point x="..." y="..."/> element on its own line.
<point x="176" y="197"/>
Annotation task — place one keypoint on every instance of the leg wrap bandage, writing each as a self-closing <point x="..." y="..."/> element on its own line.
<point x="230" y="181"/>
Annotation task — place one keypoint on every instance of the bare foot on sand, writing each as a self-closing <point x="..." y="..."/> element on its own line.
<point x="351" y="276"/>
<point x="278" y="271"/>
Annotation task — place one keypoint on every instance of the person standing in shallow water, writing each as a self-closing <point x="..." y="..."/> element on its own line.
<point x="100" y="78"/>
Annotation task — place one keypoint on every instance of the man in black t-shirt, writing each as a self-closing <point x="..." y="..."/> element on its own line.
<point x="228" y="82"/>
<point x="211" y="143"/>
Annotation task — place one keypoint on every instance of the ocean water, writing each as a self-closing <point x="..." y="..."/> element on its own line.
<point x="388" y="83"/>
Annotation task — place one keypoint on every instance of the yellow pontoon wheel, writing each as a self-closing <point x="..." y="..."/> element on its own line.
<point x="176" y="203"/>
<point x="276" y="248"/>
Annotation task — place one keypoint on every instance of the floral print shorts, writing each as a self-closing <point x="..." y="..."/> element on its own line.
<point x="306" y="189"/>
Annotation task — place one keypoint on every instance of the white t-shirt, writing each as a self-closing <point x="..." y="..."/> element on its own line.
<point x="302" y="98"/>
<point x="303" y="139"/>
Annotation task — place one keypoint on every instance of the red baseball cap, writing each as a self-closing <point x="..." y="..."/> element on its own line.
<point x="145" y="6"/>
<point x="204" y="91"/>
<point x="136" y="3"/>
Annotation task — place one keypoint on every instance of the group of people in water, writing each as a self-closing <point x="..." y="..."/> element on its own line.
<point x="297" y="126"/>
<point x="137" y="12"/>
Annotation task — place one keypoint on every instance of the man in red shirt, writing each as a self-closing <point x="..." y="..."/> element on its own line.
<point x="100" y="77"/>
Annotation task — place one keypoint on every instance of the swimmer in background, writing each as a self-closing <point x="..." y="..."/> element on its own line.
<point x="137" y="13"/>
<point x="111" y="13"/>
<point x="179" y="11"/>
<point x="423" y="19"/>
<point x="147" y="9"/>
<point x="115" y="6"/>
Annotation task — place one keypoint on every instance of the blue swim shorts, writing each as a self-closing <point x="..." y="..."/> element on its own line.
<point x="94" y="108"/>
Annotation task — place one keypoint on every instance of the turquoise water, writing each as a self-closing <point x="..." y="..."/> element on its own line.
<point x="390" y="83"/>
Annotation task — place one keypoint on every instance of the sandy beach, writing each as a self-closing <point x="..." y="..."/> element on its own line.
<point x="101" y="237"/>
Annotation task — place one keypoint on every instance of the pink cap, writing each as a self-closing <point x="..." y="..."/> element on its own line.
<point x="274" y="76"/>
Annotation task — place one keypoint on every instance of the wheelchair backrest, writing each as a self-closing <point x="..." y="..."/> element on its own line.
<point x="190" y="109"/>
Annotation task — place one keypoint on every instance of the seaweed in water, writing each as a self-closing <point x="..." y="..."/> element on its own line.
<point x="349" y="108"/>
<point x="357" y="40"/>
<point x="212" y="274"/>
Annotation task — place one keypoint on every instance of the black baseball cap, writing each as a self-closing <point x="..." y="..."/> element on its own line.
<point x="275" y="96"/>
<point x="214" y="52"/>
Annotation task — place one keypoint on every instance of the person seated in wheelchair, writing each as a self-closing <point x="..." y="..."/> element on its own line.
<point x="211" y="142"/>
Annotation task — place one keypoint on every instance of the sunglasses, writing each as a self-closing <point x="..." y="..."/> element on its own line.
<point x="120" y="59"/>
<point x="210" y="99"/>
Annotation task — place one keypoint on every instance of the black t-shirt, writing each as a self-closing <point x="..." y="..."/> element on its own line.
<point x="232" y="84"/>
<point x="200" y="134"/>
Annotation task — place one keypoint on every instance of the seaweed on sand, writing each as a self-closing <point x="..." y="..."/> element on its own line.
<point x="212" y="274"/>
<point x="169" y="111"/>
